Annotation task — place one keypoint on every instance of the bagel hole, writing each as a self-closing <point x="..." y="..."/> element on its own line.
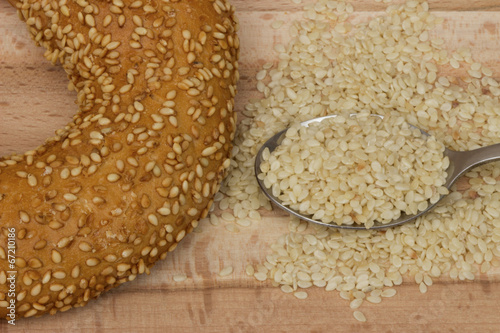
<point x="34" y="96"/>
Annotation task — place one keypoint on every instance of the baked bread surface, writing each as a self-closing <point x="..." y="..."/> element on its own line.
<point x="138" y="167"/>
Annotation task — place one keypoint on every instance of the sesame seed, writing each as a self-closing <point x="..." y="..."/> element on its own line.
<point x="56" y="257"/>
<point x="123" y="267"/>
<point x="226" y="271"/>
<point x="36" y="289"/>
<point x="65" y="173"/>
<point x="22" y="174"/>
<point x="277" y="24"/>
<point x="125" y="89"/>
<point x="300" y="294"/>
<point x="153" y="219"/>
<point x="32" y="181"/>
<point x="59" y="275"/>
<point x="141" y="31"/>
<point x="135" y="45"/>
<point x="24" y="216"/>
<point x="180" y="235"/>
<point x="84" y="246"/>
<point x="89" y="19"/>
<point x="138" y="106"/>
<point x="359" y="316"/>
<point x="113" y="177"/>
<point x="193" y="91"/>
<point x="209" y="151"/>
<point x="191" y="57"/>
<point x="180" y="277"/>
<point x="56" y="287"/>
<point x="126" y="253"/>
<point x="388" y="292"/>
<point x="70" y="197"/>
<point x="91" y="262"/>
<point x="63" y="242"/>
<point x="137" y="20"/>
<point x="164" y="211"/>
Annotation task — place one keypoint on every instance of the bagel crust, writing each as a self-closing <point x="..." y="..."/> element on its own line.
<point x="138" y="166"/>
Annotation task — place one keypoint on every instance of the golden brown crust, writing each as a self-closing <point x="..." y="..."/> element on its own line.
<point x="138" y="166"/>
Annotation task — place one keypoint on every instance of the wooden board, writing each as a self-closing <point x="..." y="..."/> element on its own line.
<point x="34" y="102"/>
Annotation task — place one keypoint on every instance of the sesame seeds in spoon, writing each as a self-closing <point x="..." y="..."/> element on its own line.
<point x="360" y="171"/>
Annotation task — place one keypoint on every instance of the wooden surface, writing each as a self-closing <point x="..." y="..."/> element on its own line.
<point x="34" y="102"/>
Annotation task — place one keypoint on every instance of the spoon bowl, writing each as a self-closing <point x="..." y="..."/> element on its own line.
<point x="460" y="162"/>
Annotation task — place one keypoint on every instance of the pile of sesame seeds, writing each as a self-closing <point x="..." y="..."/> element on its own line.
<point x="391" y="63"/>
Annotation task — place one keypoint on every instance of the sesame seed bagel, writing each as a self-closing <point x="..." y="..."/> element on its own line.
<point x="138" y="166"/>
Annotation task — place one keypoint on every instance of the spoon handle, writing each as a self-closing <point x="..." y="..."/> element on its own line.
<point x="462" y="161"/>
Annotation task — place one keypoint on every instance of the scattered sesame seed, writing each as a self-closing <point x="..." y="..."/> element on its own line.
<point x="180" y="277"/>
<point x="300" y="294"/>
<point x="226" y="271"/>
<point x="359" y="316"/>
<point x="232" y="228"/>
<point x="260" y="276"/>
<point x="277" y="24"/>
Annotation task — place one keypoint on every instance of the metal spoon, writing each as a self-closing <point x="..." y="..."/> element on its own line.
<point x="460" y="162"/>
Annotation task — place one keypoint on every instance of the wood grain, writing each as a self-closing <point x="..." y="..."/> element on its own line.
<point x="34" y="102"/>
<point x="368" y="5"/>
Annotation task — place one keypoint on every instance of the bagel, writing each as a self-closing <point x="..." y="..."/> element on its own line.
<point x="139" y="164"/>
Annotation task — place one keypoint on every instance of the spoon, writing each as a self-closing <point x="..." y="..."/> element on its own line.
<point x="460" y="162"/>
